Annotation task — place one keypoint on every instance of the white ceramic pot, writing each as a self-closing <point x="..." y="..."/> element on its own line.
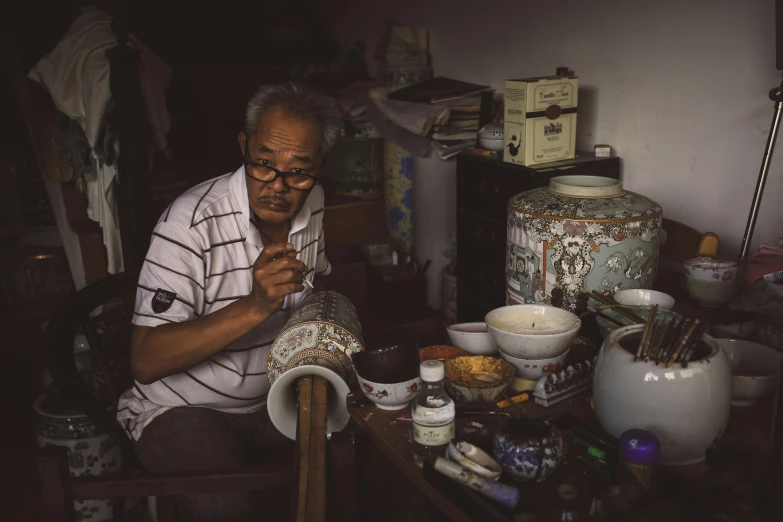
<point x="533" y="331"/>
<point x="755" y="370"/>
<point x="390" y="396"/>
<point x="474" y="338"/>
<point x="686" y="408"/>
<point x="535" y="369"/>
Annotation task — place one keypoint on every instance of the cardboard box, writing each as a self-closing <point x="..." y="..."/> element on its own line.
<point x="540" y="119"/>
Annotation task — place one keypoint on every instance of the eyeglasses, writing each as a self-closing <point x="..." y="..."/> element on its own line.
<point x="267" y="174"/>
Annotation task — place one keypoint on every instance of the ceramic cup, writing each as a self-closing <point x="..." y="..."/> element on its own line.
<point x="536" y="368"/>
<point x="642" y="297"/>
<point x="711" y="268"/>
<point x="686" y="408"/>
<point x="711" y="293"/>
<point x="477" y="378"/>
<point x="392" y="396"/>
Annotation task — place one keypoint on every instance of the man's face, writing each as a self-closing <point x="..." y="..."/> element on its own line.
<point x="287" y="144"/>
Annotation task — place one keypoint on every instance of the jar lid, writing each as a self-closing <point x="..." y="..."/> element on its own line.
<point x="640" y="446"/>
<point x="432" y="371"/>
<point x="586" y="186"/>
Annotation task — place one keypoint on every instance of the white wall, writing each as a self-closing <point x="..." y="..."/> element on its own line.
<point x="678" y="88"/>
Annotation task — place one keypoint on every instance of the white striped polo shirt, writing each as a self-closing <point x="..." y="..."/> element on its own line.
<point x="200" y="259"/>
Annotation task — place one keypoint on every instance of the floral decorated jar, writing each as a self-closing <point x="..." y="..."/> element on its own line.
<point x="581" y="233"/>
<point x="90" y="450"/>
<point x="529" y="449"/>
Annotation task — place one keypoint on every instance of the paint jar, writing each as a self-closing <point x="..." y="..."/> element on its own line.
<point x="639" y="454"/>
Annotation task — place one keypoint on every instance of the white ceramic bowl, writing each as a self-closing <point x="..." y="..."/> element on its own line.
<point x="474" y="338"/>
<point x="642" y="297"/>
<point x="474" y="459"/>
<point x="390" y="396"/>
<point x="755" y="370"/>
<point x="711" y="268"/>
<point x="542" y="332"/>
<point x="535" y="369"/>
<point x="711" y="293"/>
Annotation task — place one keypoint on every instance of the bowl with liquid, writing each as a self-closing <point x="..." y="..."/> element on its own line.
<point x="532" y="331"/>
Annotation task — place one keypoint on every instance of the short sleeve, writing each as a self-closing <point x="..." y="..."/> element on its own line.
<point x="322" y="266"/>
<point x="171" y="282"/>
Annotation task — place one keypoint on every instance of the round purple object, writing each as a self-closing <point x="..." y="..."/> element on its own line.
<point x="639" y="446"/>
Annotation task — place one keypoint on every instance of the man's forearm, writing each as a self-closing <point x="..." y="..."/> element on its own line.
<point x="157" y="352"/>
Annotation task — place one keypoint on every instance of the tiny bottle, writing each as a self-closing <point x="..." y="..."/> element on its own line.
<point x="433" y="415"/>
<point x="639" y="452"/>
<point x="567" y="494"/>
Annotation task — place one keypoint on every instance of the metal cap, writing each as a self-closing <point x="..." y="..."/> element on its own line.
<point x="640" y="446"/>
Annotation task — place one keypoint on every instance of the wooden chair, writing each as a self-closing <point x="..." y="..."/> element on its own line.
<point x="103" y="311"/>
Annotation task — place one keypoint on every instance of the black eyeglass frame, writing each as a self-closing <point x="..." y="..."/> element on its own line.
<point x="278" y="172"/>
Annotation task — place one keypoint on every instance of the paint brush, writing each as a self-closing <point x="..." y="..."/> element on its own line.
<point x="663" y="332"/>
<point x="645" y="336"/>
<point x="694" y="342"/>
<point x="683" y="342"/>
<point x="672" y="340"/>
<point x="609" y="301"/>
<point x="648" y="340"/>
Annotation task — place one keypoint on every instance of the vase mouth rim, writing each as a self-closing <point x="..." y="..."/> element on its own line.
<point x="616" y="335"/>
<point x="579" y="186"/>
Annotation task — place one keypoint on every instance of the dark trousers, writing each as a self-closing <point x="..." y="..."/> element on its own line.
<point x="202" y="439"/>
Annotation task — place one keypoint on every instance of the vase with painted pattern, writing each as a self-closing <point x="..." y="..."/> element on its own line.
<point x="91" y="451"/>
<point x="398" y="192"/>
<point x="579" y="234"/>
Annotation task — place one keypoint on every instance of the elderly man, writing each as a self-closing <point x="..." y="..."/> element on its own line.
<point x="225" y="270"/>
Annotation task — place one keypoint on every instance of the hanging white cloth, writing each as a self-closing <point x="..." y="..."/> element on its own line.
<point x="76" y="74"/>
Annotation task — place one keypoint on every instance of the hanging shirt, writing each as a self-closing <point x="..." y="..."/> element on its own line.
<point x="200" y="259"/>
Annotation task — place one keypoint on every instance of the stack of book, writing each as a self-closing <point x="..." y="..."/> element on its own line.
<point x="457" y="123"/>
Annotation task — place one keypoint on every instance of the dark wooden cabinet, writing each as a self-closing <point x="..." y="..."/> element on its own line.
<point x="484" y="186"/>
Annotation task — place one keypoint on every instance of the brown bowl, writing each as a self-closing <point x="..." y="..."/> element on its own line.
<point x="477" y="378"/>
<point x="441" y="352"/>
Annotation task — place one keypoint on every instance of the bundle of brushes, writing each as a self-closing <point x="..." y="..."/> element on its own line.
<point x="668" y="340"/>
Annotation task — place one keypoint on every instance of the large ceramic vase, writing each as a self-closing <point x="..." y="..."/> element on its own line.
<point x="687" y="408"/>
<point x="398" y="193"/>
<point x="318" y="339"/>
<point x="581" y="233"/>
<point x="91" y="451"/>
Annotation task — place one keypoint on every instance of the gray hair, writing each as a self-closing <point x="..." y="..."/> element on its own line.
<point x="299" y="101"/>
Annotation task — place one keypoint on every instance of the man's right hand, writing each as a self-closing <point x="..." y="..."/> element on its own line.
<point x="276" y="274"/>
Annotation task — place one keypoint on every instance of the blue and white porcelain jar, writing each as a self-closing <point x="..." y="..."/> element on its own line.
<point x="90" y="450"/>
<point x="529" y="449"/>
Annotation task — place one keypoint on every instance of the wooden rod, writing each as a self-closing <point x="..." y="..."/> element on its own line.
<point x="316" y="483"/>
<point x="305" y="389"/>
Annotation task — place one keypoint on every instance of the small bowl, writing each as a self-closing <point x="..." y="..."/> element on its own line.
<point x="755" y="370"/>
<point x="474" y="338"/>
<point x="711" y="293"/>
<point x="441" y="352"/>
<point x="477" y="378"/>
<point x="535" y="369"/>
<point x="390" y="396"/>
<point x="711" y="268"/>
<point x="642" y="297"/>
<point x="556" y="330"/>
<point x="474" y="459"/>
<point x="388" y="365"/>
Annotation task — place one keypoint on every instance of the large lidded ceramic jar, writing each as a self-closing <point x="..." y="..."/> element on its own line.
<point x="687" y="408"/>
<point x="581" y="233"/>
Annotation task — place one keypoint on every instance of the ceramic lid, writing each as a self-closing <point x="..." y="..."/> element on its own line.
<point x="590" y="198"/>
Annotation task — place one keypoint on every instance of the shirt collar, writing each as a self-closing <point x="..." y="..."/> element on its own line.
<point x="238" y="187"/>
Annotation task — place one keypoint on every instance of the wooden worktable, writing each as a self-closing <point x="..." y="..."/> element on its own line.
<point x="751" y="425"/>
